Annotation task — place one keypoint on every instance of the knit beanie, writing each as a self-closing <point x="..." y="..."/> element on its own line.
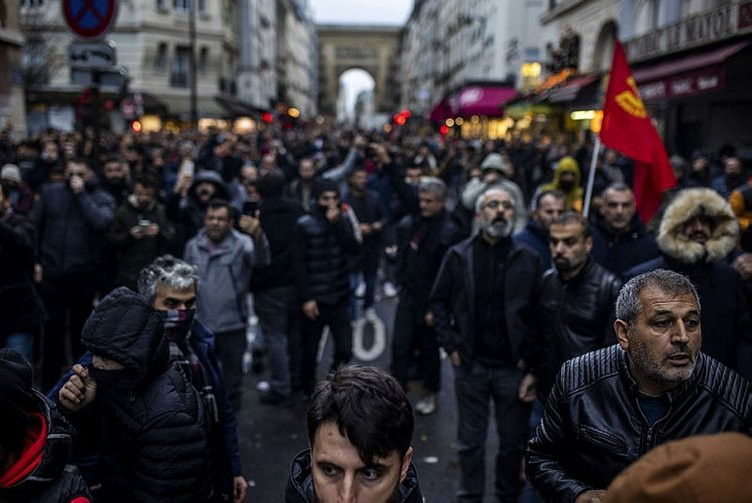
<point x="16" y="398"/>
<point x="693" y="470"/>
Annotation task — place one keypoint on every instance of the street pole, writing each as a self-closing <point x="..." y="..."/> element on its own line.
<point x="591" y="176"/>
<point x="192" y="69"/>
<point x="95" y="119"/>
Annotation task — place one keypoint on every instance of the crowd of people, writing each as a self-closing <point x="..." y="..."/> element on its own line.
<point x="129" y="271"/>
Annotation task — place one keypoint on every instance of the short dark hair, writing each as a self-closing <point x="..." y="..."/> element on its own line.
<point x="369" y="408"/>
<point x="628" y="303"/>
<point x="147" y="181"/>
<point x="618" y="187"/>
<point x="572" y="217"/>
<point x="555" y="193"/>
<point x="217" y="203"/>
<point x="271" y="184"/>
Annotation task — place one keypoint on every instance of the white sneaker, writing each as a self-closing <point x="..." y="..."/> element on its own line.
<point x="389" y="290"/>
<point x="360" y="291"/>
<point x="370" y="314"/>
<point x="426" y="405"/>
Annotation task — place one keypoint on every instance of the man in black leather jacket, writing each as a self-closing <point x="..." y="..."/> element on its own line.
<point x="577" y="299"/>
<point x="610" y="406"/>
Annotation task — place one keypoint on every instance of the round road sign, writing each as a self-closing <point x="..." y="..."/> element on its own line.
<point x="90" y="19"/>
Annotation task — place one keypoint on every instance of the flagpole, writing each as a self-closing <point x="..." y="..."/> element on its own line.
<point x="591" y="175"/>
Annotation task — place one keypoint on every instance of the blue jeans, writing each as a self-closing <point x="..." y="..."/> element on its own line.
<point x="475" y="385"/>
<point x="23" y="342"/>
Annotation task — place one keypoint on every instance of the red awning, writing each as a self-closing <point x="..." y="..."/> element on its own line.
<point x="483" y="100"/>
<point x="688" y="63"/>
<point x="441" y="111"/>
<point x="568" y="91"/>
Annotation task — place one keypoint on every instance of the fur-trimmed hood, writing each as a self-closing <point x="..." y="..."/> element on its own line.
<point x="691" y="203"/>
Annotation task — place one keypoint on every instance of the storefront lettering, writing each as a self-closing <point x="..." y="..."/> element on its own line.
<point x="709" y="82"/>
<point x="686" y="85"/>
<point x="700" y="29"/>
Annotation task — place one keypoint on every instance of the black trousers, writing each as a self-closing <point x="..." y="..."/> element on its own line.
<point x="230" y="347"/>
<point x="337" y="318"/>
<point x="410" y="328"/>
<point x="69" y="301"/>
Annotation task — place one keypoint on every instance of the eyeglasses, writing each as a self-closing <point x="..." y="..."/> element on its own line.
<point x="494" y="205"/>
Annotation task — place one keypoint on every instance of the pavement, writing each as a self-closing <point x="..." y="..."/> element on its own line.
<point x="270" y="436"/>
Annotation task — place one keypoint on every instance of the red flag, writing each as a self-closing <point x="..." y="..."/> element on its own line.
<point x="627" y="128"/>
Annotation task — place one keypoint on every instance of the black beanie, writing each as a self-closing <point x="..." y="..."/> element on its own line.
<point x="16" y="398"/>
<point x="324" y="185"/>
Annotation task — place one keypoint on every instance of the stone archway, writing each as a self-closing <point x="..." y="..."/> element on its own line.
<point x="371" y="48"/>
<point x="604" y="46"/>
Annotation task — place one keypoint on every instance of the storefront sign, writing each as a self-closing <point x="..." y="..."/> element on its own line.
<point x="690" y="84"/>
<point x="692" y="31"/>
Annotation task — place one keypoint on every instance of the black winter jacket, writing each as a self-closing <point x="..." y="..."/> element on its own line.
<point x="575" y="316"/>
<point x="320" y="258"/>
<point x="52" y="481"/>
<point x="71" y="229"/>
<point x="619" y="252"/>
<point x="593" y="428"/>
<point x="22" y="306"/>
<point x="300" y="483"/>
<point x="152" y="425"/>
<point x="278" y="218"/>
<point x="453" y="301"/>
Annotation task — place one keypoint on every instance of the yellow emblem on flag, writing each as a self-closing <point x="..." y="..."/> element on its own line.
<point x="630" y="101"/>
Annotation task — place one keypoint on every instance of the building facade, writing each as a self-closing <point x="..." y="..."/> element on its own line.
<point x="12" y="106"/>
<point x="296" y="59"/>
<point x="257" y="72"/>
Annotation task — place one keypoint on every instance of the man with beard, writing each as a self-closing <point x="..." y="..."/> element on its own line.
<point x="301" y="188"/>
<point x="610" y="406"/>
<point x="115" y="178"/>
<point x="733" y="176"/>
<point x="697" y="232"/>
<point x="360" y="427"/>
<point x="576" y="299"/>
<point x="483" y="302"/>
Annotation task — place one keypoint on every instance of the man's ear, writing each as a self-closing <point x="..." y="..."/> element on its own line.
<point x="589" y="244"/>
<point x="621" y="328"/>
<point x="406" y="460"/>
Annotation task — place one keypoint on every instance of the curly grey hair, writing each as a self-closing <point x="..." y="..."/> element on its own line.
<point x="671" y="283"/>
<point x="169" y="271"/>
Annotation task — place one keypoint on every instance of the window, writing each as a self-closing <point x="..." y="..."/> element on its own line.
<point x="161" y="58"/>
<point x="202" y="6"/>
<point x="161" y="5"/>
<point x="203" y="59"/>
<point x="182" y="5"/>
<point x="180" y="67"/>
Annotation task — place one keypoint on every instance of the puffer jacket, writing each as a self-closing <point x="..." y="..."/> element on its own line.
<point x="300" y="483"/>
<point x="321" y="254"/>
<point x="52" y="480"/>
<point x="152" y="425"/>
<point x="593" y="428"/>
<point x="71" y="229"/>
<point x="575" y="316"/>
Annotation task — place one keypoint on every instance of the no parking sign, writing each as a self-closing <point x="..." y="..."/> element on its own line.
<point x="90" y="19"/>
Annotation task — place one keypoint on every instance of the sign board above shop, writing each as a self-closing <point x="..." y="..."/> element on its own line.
<point x="692" y="31"/>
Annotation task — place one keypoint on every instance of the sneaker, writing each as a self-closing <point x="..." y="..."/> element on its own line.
<point x="360" y="291"/>
<point x="427" y="404"/>
<point x="389" y="290"/>
<point x="370" y="314"/>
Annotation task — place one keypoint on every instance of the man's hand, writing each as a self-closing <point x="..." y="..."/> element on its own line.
<point x="38" y="273"/>
<point x="454" y="357"/>
<point x="428" y="318"/>
<point x="137" y="232"/>
<point x="333" y="213"/>
<point x="77" y="184"/>
<point x="151" y="230"/>
<point x="592" y="496"/>
<point x="251" y="225"/>
<point x="366" y="229"/>
<point x="743" y="264"/>
<point x="526" y="392"/>
<point x="311" y="309"/>
<point x="183" y="184"/>
<point x="241" y="486"/>
<point x="79" y="391"/>
<point x="376" y="227"/>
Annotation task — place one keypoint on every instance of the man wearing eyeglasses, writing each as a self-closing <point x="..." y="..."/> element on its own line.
<point x="483" y="303"/>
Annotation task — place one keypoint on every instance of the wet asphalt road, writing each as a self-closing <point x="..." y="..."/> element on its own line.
<point x="270" y="436"/>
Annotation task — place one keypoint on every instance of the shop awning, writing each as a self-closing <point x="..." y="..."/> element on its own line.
<point x="483" y="100"/>
<point x="236" y="107"/>
<point x="180" y="106"/>
<point x="693" y="74"/>
<point x="441" y="111"/>
<point x="570" y="90"/>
